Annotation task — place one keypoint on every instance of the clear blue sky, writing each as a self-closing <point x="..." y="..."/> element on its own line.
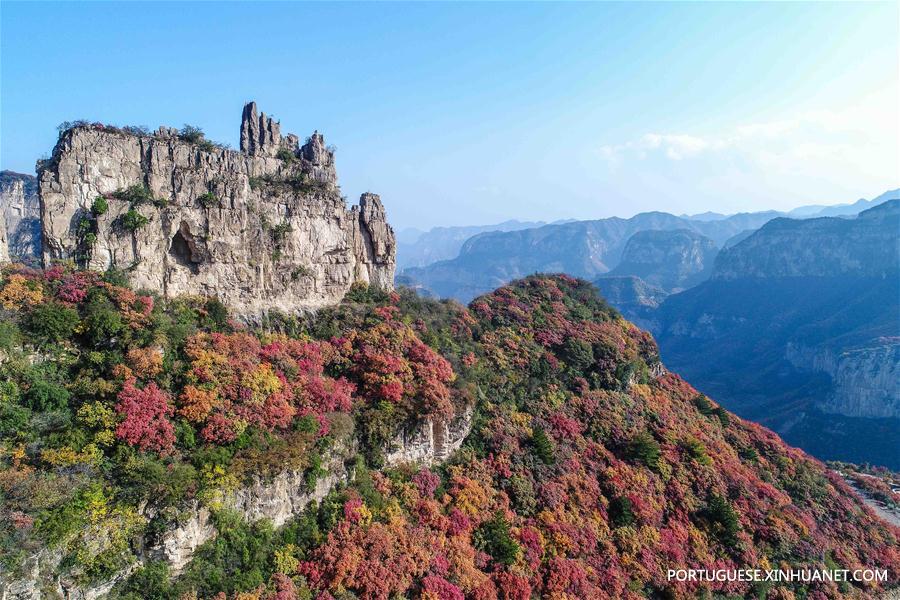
<point x="475" y="113"/>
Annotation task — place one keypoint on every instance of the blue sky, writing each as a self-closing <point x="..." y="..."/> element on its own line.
<point x="475" y="113"/>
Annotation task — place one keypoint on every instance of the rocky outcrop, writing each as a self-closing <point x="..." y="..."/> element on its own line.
<point x="278" y="499"/>
<point x="20" y="208"/>
<point x="264" y="228"/>
<point x="430" y="441"/>
<point x="672" y="260"/>
<point x="633" y="297"/>
<point x="867" y="246"/>
<point x="4" y="247"/>
<point x="865" y="381"/>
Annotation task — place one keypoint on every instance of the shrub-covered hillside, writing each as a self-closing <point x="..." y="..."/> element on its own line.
<point x="587" y="473"/>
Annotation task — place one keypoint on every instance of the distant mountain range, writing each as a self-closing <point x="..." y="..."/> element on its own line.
<point x="417" y="248"/>
<point x="799" y="329"/>
<point x="581" y="248"/>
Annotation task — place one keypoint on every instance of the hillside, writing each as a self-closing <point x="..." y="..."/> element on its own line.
<point x="798" y="329"/>
<point x="137" y="431"/>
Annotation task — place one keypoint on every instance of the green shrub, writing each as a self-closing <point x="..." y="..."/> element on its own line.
<point x="45" y="395"/>
<point x="301" y="271"/>
<point x="697" y="451"/>
<point x="52" y="322"/>
<point x="135" y="195"/>
<point x="280" y="232"/>
<point x="103" y="323"/>
<point x="703" y="405"/>
<point x="542" y="445"/>
<point x="216" y="317"/>
<point x="99" y="206"/>
<point x="722" y="414"/>
<point x="722" y="520"/>
<point x="133" y="220"/>
<point x="494" y="538"/>
<point x="644" y="449"/>
<point x="620" y="512"/>
<point x="191" y="134"/>
<point x="10" y="336"/>
<point x="578" y="354"/>
<point x="237" y="559"/>
<point x="285" y="155"/>
<point x="208" y="200"/>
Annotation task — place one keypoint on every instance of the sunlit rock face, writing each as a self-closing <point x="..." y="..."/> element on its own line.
<point x="20" y="226"/>
<point x="264" y="228"/>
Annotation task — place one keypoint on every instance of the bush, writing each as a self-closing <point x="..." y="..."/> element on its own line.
<point x="99" y="206"/>
<point x="703" y="405"/>
<point x="494" y="538"/>
<point x="542" y="445"/>
<point x="44" y="395"/>
<point x="52" y="322"/>
<point x="620" y="512"/>
<point x="208" y="200"/>
<point x="643" y="448"/>
<point x="216" y="315"/>
<point x="135" y="195"/>
<point x="280" y="232"/>
<point x="285" y="155"/>
<point x="103" y="323"/>
<point x="697" y="451"/>
<point x="191" y="134"/>
<point x="136" y="130"/>
<point x="133" y="220"/>
<point x="723" y="520"/>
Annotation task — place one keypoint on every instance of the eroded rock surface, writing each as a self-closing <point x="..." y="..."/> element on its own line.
<point x="20" y="226"/>
<point x="262" y="228"/>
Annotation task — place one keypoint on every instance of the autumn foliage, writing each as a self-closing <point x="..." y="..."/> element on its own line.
<point x="588" y="472"/>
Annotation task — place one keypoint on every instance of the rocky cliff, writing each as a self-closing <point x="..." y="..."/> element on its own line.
<point x="669" y="259"/>
<point x="867" y="246"/>
<point x="21" y="210"/>
<point x="262" y="228"/>
<point x="276" y="499"/>
<point x="865" y="381"/>
<point x="4" y="248"/>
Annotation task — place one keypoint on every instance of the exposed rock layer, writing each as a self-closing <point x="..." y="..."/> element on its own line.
<point x="256" y="231"/>
<point x="21" y="236"/>
<point x="278" y="499"/>
<point x="669" y="259"/>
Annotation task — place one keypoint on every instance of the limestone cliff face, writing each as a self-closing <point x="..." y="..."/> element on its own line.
<point x="4" y="247"/>
<point x="669" y="259"/>
<point x="277" y="499"/>
<point x="262" y="228"/>
<point x="429" y="442"/>
<point x="867" y="246"/>
<point x="21" y="210"/>
<point x="865" y="381"/>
